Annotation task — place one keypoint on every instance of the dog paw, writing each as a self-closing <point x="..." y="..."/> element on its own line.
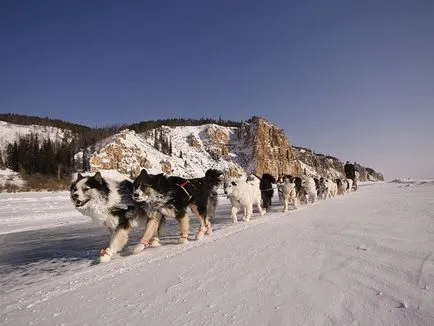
<point x="155" y="242"/>
<point x="182" y="240"/>
<point x="208" y="231"/>
<point x="104" y="258"/>
<point x="105" y="255"/>
<point x="138" y="248"/>
<point x="201" y="233"/>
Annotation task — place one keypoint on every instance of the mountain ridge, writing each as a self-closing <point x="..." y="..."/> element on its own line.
<point x="252" y="146"/>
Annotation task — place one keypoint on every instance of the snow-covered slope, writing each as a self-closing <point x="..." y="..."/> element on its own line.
<point x="188" y="151"/>
<point x="10" y="132"/>
<point x="359" y="259"/>
<point x="194" y="150"/>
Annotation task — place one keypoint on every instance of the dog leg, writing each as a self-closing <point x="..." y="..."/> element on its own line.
<point x="260" y="209"/>
<point x="249" y="210"/>
<point x="202" y="228"/>
<point x="150" y="231"/>
<point x="202" y="219"/>
<point x="234" y="212"/>
<point x="296" y="203"/>
<point x="183" y="228"/>
<point x="117" y="242"/>
<point x="208" y="226"/>
<point x="285" y="205"/>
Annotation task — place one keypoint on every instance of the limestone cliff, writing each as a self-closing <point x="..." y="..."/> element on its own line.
<point x="272" y="152"/>
<point x="257" y="146"/>
<point x="322" y="165"/>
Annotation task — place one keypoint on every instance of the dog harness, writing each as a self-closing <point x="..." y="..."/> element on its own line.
<point x="182" y="185"/>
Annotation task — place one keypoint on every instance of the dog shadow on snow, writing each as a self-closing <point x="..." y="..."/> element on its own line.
<point x="32" y="256"/>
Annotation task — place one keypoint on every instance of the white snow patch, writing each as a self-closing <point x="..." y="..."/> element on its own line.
<point x="8" y="176"/>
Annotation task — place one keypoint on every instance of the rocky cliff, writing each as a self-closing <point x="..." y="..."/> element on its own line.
<point x="322" y="165"/>
<point x="255" y="147"/>
<point x="272" y="152"/>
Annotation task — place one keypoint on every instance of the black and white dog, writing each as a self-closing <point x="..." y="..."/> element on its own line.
<point x="299" y="190"/>
<point x="110" y="203"/>
<point x="170" y="196"/>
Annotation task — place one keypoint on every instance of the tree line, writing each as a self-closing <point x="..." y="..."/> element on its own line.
<point x="31" y="155"/>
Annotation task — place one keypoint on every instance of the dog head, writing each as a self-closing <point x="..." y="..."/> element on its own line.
<point x="306" y="180"/>
<point x="86" y="188"/>
<point x="286" y="178"/>
<point x="229" y="186"/>
<point x="144" y="186"/>
<point x="214" y="177"/>
<point x="269" y="178"/>
<point x="323" y="184"/>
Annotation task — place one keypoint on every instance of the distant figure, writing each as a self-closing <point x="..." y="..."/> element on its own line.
<point x="350" y="173"/>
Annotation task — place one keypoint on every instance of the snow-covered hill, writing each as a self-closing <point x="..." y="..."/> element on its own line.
<point x="360" y="259"/>
<point x="194" y="150"/>
<point x="188" y="151"/>
<point x="9" y="133"/>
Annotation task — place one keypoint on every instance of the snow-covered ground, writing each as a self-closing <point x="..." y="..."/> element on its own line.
<point x="7" y="176"/>
<point x="360" y="259"/>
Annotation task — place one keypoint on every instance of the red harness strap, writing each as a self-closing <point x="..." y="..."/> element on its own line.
<point x="182" y="185"/>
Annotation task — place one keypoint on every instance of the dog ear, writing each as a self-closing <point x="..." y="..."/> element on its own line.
<point x="98" y="177"/>
<point x="79" y="176"/>
<point x="143" y="173"/>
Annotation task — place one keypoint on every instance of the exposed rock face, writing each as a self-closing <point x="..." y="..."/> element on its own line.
<point x="120" y="154"/>
<point x="368" y="174"/>
<point x="166" y="167"/>
<point x="272" y="152"/>
<point x="193" y="141"/>
<point x="217" y="140"/>
<point x="328" y="166"/>
<point x="319" y="164"/>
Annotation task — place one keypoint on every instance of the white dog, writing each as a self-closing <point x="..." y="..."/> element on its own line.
<point x="342" y="186"/>
<point x="309" y="187"/>
<point x="288" y="194"/>
<point x="328" y="188"/>
<point x="244" y="193"/>
<point x="349" y="185"/>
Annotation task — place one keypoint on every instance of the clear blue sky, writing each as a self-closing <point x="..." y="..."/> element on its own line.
<point x="354" y="79"/>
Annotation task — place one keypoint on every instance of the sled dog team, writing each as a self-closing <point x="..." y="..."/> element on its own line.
<point x="151" y="198"/>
